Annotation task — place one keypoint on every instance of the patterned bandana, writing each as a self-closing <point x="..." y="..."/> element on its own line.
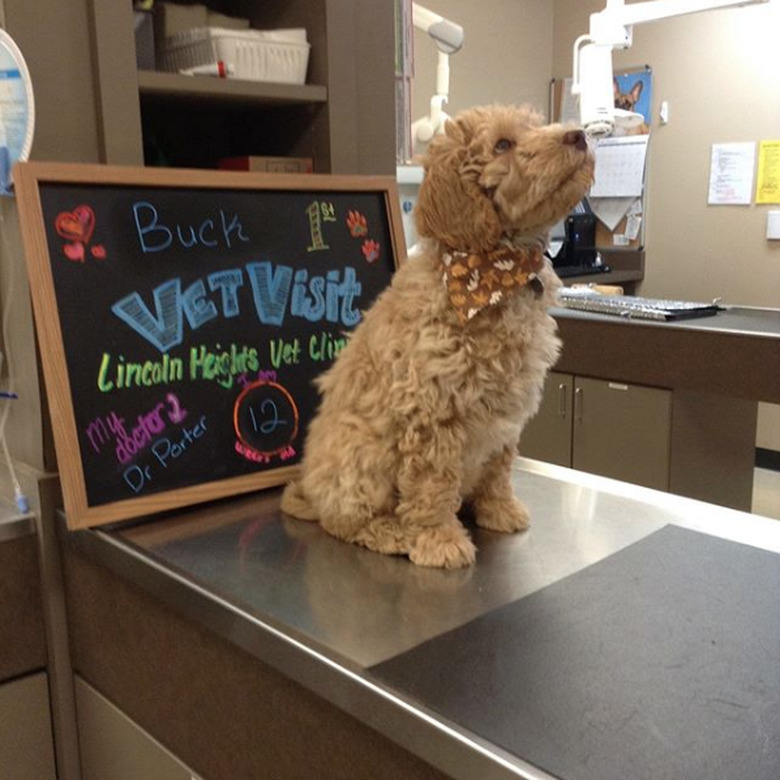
<point x="475" y="282"/>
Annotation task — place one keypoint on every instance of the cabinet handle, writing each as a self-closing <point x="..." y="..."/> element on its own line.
<point x="578" y="404"/>
<point x="562" y="400"/>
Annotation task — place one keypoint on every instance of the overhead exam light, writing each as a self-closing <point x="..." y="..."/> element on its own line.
<point x="448" y="38"/>
<point x="613" y="28"/>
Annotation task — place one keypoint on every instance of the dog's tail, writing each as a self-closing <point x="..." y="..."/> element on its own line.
<point x="295" y="503"/>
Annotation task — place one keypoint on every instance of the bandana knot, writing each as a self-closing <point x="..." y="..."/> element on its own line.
<point x="476" y="281"/>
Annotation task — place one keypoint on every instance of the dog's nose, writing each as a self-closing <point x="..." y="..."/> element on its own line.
<point x="577" y="139"/>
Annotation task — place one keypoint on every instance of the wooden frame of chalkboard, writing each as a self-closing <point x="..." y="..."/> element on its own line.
<point x="182" y="316"/>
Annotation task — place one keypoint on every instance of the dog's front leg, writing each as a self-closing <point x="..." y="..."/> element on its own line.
<point x="429" y="483"/>
<point x="494" y="502"/>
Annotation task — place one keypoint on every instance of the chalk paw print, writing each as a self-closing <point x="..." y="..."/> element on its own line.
<point x="370" y="250"/>
<point x="357" y="225"/>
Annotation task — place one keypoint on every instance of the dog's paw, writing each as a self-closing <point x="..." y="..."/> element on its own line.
<point x="295" y="503"/>
<point x="383" y="535"/>
<point x="503" y="516"/>
<point x="444" y="547"/>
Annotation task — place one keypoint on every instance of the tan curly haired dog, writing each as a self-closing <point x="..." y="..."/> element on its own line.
<point x="423" y="408"/>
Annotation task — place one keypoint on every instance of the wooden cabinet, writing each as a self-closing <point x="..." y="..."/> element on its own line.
<point x="26" y="747"/>
<point x="695" y="444"/>
<point x="113" y="746"/>
<point x="622" y="431"/>
<point x="609" y="428"/>
<point x="343" y="116"/>
<point x="548" y="436"/>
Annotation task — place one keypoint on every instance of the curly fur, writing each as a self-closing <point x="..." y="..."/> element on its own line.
<point x="421" y="412"/>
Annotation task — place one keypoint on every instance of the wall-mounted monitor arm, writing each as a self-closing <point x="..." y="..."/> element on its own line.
<point x="447" y="35"/>
<point x="613" y="28"/>
<point x="448" y="38"/>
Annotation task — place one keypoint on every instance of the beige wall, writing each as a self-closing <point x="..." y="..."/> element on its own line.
<point x="720" y="73"/>
<point x="506" y="55"/>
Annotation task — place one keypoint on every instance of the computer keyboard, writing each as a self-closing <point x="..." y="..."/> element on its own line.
<point x="634" y="307"/>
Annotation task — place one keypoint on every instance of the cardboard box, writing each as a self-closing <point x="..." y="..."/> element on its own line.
<point x="269" y="164"/>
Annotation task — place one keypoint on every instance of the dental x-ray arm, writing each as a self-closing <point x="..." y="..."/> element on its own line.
<point x="448" y="38"/>
<point x="613" y="27"/>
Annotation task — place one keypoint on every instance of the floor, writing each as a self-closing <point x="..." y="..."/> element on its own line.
<point x="766" y="493"/>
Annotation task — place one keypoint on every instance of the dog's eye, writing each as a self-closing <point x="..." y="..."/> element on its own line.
<point x="503" y="145"/>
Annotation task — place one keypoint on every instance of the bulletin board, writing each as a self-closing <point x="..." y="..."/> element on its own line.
<point x="182" y="317"/>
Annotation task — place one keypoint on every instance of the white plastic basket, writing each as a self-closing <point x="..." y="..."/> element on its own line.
<point x="256" y="55"/>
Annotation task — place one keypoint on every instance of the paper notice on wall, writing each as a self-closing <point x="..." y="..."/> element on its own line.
<point x="633" y="224"/>
<point x="634" y="221"/>
<point x="620" y="167"/>
<point x="768" y="181"/>
<point x="731" y="174"/>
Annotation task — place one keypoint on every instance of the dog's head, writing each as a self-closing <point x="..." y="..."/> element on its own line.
<point x="626" y="100"/>
<point x="499" y="172"/>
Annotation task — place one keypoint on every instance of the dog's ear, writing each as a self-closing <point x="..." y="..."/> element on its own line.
<point x="452" y="207"/>
<point x="636" y="91"/>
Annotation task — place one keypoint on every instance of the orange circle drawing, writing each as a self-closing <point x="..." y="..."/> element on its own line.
<point x="242" y="437"/>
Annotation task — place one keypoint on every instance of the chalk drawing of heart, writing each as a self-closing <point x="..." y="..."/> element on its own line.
<point x="76" y="225"/>
<point x="74" y="252"/>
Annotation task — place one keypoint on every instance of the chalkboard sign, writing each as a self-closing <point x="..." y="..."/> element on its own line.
<point x="182" y="316"/>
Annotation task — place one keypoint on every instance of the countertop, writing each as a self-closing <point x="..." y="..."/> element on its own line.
<point x="13" y="523"/>
<point x="735" y="320"/>
<point x="22" y="633"/>
<point x="735" y="353"/>
<point x="481" y="671"/>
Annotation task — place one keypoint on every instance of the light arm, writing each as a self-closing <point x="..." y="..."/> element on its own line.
<point x="612" y="27"/>
<point x="448" y="38"/>
<point x="605" y="26"/>
<point x="447" y="35"/>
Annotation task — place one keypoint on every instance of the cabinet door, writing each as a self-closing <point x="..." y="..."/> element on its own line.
<point x="547" y="436"/>
<point x="26" y="746"/>
<point x="113" y="747"/>
<point x="622" y="431"/>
